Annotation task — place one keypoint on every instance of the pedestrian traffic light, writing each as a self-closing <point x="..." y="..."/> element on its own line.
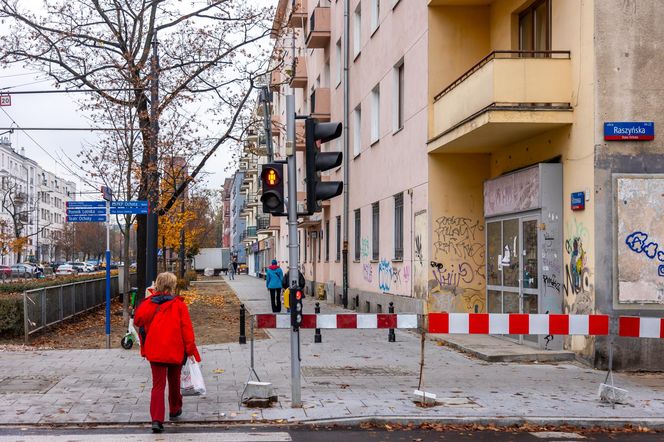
<point x="272" y="175"/>
<point x="317" y="133"/>
<point x="296" y="294"/>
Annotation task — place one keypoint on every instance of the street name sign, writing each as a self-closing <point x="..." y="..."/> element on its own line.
<point x="86" y="204"/>
<point x="129" y="208"/>
<point x="629" y="131"/>
<point x="86" y="219"/>
<point x="85" y="211"/>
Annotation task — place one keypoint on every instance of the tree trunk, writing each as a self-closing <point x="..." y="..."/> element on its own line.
<point x="127" y="266"/>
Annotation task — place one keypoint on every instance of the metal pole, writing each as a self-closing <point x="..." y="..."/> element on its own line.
<point x="243" y="336"/>
<point x="293" y="250"/>
<point x="153" y="197"/>
<point x="265" y="98"/>
<point x="108" y="274"/>
<point x="37" y="250"/>
<point x="318" y="338"/>
<point x="346" y="132"/>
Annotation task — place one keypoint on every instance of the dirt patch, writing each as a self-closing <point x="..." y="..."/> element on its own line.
<point x="214" y="309"/>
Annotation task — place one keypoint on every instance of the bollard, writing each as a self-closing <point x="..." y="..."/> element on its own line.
<point x="317" y="336"/>
<point x="391" y="337"/>
<point x="243" y="337"/>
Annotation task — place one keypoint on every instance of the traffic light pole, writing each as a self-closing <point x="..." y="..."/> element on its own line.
<point x="293" y="247"/>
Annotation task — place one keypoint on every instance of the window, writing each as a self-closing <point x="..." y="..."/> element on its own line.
<point x="357" y="131"/>
<point x="327" y="240"/>
<point x="320" y="245"/>
<point x="375" y="15"/>
<point x="375" y="114"/>
<point x="357" y="31"/>
<point x="535" y="27"/>
<point x="398" y="226"/>
<point x="358" y="232"/>
<point x="399" y="85"/>
<point x="375" y="230"/>
<point x="338" y="238"/>
<point x="340" y="62"/>
<point x="306" y="234"/>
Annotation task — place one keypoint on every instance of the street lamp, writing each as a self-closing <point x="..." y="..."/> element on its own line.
<point x="39" y="195"/>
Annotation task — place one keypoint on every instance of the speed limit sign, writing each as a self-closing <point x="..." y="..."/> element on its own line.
<point x="5" y="100"/>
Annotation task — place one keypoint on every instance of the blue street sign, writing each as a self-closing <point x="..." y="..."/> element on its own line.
<point x="86" y="219"/>
<point x="87" y="204"/>
<point x="627" y="131"/>
<point x="92" y="211"/>
<point x="129" y="208"/>
<point x="129" y="204"/>
<point x="129" y="211"/>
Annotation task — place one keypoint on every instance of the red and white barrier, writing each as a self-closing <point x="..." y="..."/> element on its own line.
<point x="636" y="327"/>
<point x="330" y="321"/>
<point x="518" y="324"/>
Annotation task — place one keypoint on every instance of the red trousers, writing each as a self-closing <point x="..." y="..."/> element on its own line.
<point x="159" y="374"/>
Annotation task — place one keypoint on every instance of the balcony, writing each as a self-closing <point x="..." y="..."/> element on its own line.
<point x="252" y="233"/>
<point x="319" y="28"/>
<point x="299" y="78"/>
<point x="298" y="14"/>
<point x="507" y="97"/>
<point x="263" y="223"/>
<point x="276" y="80"/>
<point x="320" y="103"/>
<point x="252" y="200"/>
<point x="300" y="136"/>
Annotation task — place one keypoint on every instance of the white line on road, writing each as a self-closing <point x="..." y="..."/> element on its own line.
<point x="218" y="437"/>
<point x="559" y="435"/>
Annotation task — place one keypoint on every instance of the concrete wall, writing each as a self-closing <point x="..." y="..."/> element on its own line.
<point x="629" y="60"/>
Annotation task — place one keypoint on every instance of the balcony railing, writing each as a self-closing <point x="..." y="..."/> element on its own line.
<point x="506" y="97"/>
<point x="299" y="77"/>
<point x="251" y="232"/>
<point x="298" y="14"/>
<point x="320" y="103"/>
<point x="263" y="222"/>
<point x="319" y="28"/>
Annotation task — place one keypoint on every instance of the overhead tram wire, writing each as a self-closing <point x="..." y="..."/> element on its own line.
<point x="4" y="91"/>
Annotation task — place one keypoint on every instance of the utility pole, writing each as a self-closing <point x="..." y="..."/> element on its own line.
<point x="346" y="205"/>
<point x="266" y="98"/>
<point x="293" y="247"/>
<point x="153" y="197"/>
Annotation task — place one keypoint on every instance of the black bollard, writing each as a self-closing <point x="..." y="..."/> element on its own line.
<point x="318" y="338"/>
<point x="243" y="336"/>
<point x="391" y="337"/>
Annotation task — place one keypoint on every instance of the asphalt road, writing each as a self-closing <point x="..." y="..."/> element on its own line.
<point x="302" y="434"/>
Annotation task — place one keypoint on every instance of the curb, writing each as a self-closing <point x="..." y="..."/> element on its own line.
<point x="656" y="424"/>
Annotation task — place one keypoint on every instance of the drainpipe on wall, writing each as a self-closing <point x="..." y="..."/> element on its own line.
<point x="346" y="150"/>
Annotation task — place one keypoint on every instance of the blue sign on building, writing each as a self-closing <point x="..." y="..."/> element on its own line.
<point x="629" y="131"/>
<point x="578" y="201"/>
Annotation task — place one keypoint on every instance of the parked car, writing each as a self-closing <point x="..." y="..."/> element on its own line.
<point x="66" y="270"/>
<point x="79" y="266"/>
<point x="93" y="265"/>
<point x="22" y="271"/>
<point x="5" y="272"/>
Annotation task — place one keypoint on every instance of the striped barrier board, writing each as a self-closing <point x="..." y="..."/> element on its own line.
<point x="636" y="327"/>
<point x="331" y="321"/>
<point x="518" y="324"/>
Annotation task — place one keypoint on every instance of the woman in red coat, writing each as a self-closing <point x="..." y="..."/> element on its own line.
<point x="167" y="338"/>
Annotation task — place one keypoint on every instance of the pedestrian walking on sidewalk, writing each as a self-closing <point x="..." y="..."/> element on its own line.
<point x="231" y="272"/>
<point x="167" y="340"/>
<point x="273" y="277"/>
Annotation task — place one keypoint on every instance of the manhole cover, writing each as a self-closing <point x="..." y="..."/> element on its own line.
<point x="27" y="384"/>
<point x="323" y="372"/>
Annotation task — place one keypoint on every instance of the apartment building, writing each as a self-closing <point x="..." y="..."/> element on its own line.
<point x="536" y="205"/>
<point x="35" y="200"/>
<point x="386" y="217"/>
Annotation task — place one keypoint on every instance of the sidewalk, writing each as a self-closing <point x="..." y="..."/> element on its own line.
<point x="353" y="375"/>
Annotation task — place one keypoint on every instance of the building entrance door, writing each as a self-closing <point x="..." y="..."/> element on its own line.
<point x="513" y="273"/>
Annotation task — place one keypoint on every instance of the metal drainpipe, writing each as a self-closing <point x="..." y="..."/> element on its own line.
<point x="346" y="151"/>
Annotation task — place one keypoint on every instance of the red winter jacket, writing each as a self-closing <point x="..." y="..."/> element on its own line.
<point x="165" y="328"/>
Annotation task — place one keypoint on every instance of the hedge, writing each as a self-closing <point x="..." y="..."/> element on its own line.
<point x="11" y="315"/>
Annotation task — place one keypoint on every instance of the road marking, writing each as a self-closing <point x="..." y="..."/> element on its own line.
<point x="219" y="437"/>
<point x="558" y="435"/>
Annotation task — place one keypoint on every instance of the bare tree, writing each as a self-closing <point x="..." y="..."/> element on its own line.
<point x="105" y="45"/>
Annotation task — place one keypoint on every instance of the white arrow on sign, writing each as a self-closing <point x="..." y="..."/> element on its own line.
<point x="5" y="100"/>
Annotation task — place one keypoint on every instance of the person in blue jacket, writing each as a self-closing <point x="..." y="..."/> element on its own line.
<point x="273" y="279"/>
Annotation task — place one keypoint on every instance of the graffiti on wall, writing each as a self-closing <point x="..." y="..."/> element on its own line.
<point x="367" y="271"/>
<point x="420" y="255"/>
<point x="640" y="242"/>
<point x="457" y="268"/>
<point x="384" y="275"/>
<point x="364" y="248"/>
<point x="577" y="286"/>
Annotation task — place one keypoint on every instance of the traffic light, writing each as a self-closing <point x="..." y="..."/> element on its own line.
<point x="317" y="190"/>
<point x="296" y="307"/>
<point x="272" y="178"/>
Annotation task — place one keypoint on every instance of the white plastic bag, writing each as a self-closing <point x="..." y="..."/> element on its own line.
<point x="191" y="381"/>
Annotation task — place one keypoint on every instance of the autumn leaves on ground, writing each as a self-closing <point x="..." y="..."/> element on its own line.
<point x="213" y="306"/>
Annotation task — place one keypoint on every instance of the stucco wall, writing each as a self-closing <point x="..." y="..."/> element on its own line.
<point x="629" y="60"/>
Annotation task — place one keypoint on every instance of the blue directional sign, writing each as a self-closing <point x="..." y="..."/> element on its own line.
<point x="86" y="219"/>
<point x="92" y="211"/>
<point x="85" y="204"/>
<point x="129" y="207"/>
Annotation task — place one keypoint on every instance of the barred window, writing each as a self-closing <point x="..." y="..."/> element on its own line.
<point x="327" y="240"/>
<point x="338" y="238"/>
<point x="358" y="231"/>
<point x="375" y="231"/>
<point x="398" y="226"/>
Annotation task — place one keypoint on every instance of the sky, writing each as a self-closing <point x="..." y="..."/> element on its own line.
<point x="57" y="151"/>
